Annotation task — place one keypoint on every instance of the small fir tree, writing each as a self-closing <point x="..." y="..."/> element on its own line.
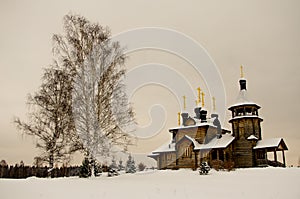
<point x="120" y="166"/>
<point x="112" y="170"/>
<point x="130" y="166"/>
<point x="22" y="164"/>
<point x="97" y="169"/>
<point x="38" y="162"/>
<point x="113" y="164"/>
<point x="3" y="163"/>
<point x="85" y="170"/>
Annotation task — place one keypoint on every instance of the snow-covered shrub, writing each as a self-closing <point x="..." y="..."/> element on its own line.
<point x="228" y="165"/>
<point x="217" y="164"/>
<point x="142" y="166"/>
<point x="112" y="172"/>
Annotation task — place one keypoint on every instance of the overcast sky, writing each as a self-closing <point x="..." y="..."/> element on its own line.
<point x="263" y="36"/>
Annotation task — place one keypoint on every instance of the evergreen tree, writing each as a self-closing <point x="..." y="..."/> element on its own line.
<point x="113" y="164"/>
<point x="130" y="165"/>
<point x="3" y="163"/>
<point x="112" y="171"/>
<point x="22" y="163"/>
<point x="97" y="169"/>
<point x="85" y="170"/>
<point x="120" y="166"/>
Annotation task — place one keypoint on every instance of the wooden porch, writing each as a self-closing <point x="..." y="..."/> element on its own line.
<point x="273" y="146"/>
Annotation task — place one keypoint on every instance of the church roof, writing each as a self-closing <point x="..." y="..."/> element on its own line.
<point x="168" y="147"/>
<point x="252" y="137"/>
<point x="243" y="98"/>
<point x="271" y="143"/>
<point x="245" y="116"/>
<point x="243" y="104"/>
<point x="215" y="143"/>
<point x="191" y="126"/>
<point x="153" y="155"/>
<point x="196" y="144"/>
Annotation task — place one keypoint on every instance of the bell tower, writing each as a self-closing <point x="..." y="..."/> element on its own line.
<point x="246" y="126"/>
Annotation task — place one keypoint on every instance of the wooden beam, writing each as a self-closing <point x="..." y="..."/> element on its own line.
<point x="159" y="161"/>
<point x="196" y="165"/>
<point x="275" y="155"/>
<point x="283" y="158"/>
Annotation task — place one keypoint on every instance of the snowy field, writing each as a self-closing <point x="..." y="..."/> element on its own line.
<point x="243" y="183"/>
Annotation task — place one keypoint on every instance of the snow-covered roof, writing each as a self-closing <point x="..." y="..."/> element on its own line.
<point x="252" y="137"/>
<point x="168" y="147"/>
<point x="268" y="143"/>
<point x="191" y="126"/>
<point x="245" y="116"/>
<point x="215" y="143"/>
<point x="243" y="99"/>
<point x="243" y="104"/>
<point x="196" y="144"/>
<point x="203" y="109"/>
<point x="153" y="155"/>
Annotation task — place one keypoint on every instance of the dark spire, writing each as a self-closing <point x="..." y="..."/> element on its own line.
<point x="243" y="84"/>
<point x="242" y="80"/>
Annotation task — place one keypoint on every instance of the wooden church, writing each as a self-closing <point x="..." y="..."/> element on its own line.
<point x="198" y="139"/>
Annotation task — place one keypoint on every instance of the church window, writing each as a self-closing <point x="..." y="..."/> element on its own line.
<point x="169" y="157"/>
<point x="221" y="155"/>
<point x="249" y="111"/>
<point x="261" y="154"/>
<point x="187" y="152"/>
<point x="214" y="155"/>
<point x="241" y="132"/>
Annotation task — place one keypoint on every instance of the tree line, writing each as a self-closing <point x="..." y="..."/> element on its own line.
<point x="21" y="170"/>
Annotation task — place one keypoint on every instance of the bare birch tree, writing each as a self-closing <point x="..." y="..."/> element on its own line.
<point x="85" y="109"/>
<point x="50" y="117"/>
<point x="102" y="113"/>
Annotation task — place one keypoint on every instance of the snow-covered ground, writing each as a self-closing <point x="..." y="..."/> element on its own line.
<point x="242" y="183"/>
